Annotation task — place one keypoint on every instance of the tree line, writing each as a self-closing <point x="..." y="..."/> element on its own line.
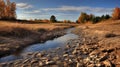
<point x="7" y="10"/>
<point x="84" y="17"/>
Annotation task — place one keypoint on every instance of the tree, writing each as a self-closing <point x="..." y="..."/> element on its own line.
<point x="83" y="18"/>
<point x="2" y="6"/>
<point x="7" y="10"/>
<point x="53" y="18"/>
<point x="96" y="19"/>
<point x="13" y="11"/>
<point x="107" y="16"/>
<point x="116" y="13"/>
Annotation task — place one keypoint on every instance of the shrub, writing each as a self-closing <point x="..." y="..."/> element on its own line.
<point x="110" y="35"/>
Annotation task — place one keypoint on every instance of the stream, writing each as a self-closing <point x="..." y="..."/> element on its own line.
<point x="50" y="44"/>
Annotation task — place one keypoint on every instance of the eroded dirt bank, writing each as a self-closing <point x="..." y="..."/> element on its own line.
<point x="16" y="36"/>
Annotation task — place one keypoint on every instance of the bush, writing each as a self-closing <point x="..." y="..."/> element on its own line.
<point x="110" y="35"/>
<point x="96" y="20"/>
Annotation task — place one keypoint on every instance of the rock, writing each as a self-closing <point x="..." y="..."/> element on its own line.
<point x="50" y="62"/>
<point x="56" y="58"/>
<point x="3" y="64"/>
<point x="25" y="61"/>
<point x="99" y="65"/>
<point x="39" y="55"/>
<point x="72" y="56"/>
<point x="34" y="61"/>
<point x="107" y="63"/>
<point x="91" y="65"/>
<point x="86" y="61"/>
<point x="43" y="58"/>
<point x="41" y="63"/>
<point x="66" y="64"/>
<point x="65" y="55"/>
<point x="75" y="51"/>
<point x="58" y="48"/>
<point x="30" y="53"/>
<point x="95" y="52"/>
<point x="68" y="46"/>
<point x="104" y="57"/>
<point x="65" y="52"/>
<point x="79" y="65"/>
<point x="109" y="50"/>
<point x="112" y="57"/>
<point x="78" y="45"/>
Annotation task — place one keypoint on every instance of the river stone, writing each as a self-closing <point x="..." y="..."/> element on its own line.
<point x="104" y="57"/>
<point x="3" y="64"/>
<point x="72" y="56"/>
<point x="65" y="55"/>
<point x="39" y="55"/>
<point x="107" y="63"/>
<point x="58" y="48"/>
<point x="74" y="52"/>
<point x="107" y="50"/>
<point x="41" y="63"/>
<point x="68" y="46"/>
<point x="50" y="62"/>
<point x="95" y="52"/>
<point x="34" y="61"/>
<point x="91" y="65"/>
<point x="99" y="65"/>
<point x="56" y="58"/>
<point x="25" y="61"/>
<point x="79" y="65"/>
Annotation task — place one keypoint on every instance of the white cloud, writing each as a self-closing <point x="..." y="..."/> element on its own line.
<point x="24" y="5"/>
<point x="33" y="12"/>
<point x="79" y="9"/>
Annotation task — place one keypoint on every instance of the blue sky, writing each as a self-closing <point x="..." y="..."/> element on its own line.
<point x="63" y="9"/>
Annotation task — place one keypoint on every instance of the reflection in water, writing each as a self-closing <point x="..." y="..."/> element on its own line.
<point x="57" y="42"/>
<point x="10" y="58"/>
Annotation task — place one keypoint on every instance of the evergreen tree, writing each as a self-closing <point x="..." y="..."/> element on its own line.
<point x="53" y="18"/>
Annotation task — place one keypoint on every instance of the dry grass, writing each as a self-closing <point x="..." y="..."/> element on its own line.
<point x="7" y="25"/>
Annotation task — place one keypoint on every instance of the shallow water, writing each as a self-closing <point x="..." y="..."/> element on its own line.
<point x="57" y="42"/>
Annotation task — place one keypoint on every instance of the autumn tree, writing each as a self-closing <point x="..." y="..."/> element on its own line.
<point x="2" y="6"/>
<point x="13" y="11"/>
<point x="116" y="13"/>
<point x="53" y="18"/>
<point x="83" y="18"/>
<point x="7" y="10"/>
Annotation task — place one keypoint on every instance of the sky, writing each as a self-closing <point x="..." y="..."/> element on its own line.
<point x="63" y="9"/>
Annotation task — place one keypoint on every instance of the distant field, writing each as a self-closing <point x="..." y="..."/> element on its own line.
<point x="4" y="25"/>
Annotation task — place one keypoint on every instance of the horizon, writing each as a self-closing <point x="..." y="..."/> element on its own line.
<point x="63" y="10"/>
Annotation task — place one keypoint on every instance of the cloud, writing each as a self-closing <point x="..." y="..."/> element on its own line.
<point x="79" y="9"/>
<point x="23" y="5"/>
<point x="33" y="12"/>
